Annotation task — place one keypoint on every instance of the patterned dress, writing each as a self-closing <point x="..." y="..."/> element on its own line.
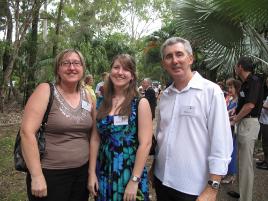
<point x="116" y="158"/>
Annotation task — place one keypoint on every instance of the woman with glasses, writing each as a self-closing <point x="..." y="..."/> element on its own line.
<point x="62" y="173"/>
<point x="119" y="150"/>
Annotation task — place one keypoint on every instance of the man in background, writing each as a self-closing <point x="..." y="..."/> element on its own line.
<point x="247" y="113"/>
<point x="149" y="94"/>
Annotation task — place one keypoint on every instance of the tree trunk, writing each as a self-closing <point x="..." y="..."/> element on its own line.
<point x="20" y="35"/>
<point x="58" y="25"/>
<point x="33" y="51"/>
<point x="6" y="56"/>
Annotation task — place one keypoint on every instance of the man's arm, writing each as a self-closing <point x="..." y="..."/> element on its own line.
<point x="245" y="110"/>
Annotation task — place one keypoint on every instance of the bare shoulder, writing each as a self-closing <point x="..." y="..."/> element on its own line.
<point x="143" y="103"/>
<point x="40" y="94"/>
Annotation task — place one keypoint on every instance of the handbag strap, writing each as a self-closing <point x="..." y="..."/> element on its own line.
<point x="51" y="96"/>
<point x="137" y="112"/>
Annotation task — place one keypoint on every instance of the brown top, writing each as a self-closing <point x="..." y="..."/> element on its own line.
<point x="67" y="133"/>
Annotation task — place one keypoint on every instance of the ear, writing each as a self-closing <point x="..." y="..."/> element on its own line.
<point x="191" y="59"/>
<point x="163" y="64"/>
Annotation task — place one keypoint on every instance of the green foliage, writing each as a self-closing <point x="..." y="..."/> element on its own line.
<point x="224" y="29"/>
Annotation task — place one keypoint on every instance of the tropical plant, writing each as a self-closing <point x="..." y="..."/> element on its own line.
<point x="224" y="29"/>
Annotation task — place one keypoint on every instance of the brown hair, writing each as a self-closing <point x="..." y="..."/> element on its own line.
<point x="235" y="83"/>
<point x="88" y="78"/>
<point x="59" y="59"/>
<point x="130" y="92"/>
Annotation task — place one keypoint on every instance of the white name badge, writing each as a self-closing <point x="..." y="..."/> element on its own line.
<point x="187" y="110"/>
<point x="242" y="94"/>
<point x="86" y="105"/>
<point x="120" y="120"/>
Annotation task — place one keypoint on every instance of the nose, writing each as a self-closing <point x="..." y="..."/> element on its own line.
<point x="71" y="66"/>
<point x="120" y="70"/>
<point x="174" y="59"/>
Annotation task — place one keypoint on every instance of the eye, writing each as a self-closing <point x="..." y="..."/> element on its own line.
<point x="65" y="63"/>
<point x="77" y="63"/>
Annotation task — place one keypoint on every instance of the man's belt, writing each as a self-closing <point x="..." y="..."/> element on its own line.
<point x="250" y="116"/>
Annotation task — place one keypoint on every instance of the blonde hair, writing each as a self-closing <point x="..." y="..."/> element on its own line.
<point x="59" y="59"/>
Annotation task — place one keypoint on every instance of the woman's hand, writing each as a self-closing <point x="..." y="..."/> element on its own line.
<point x="39" y="186"/>
<point x="131" y="191"/>
<point x="93" y="185"/>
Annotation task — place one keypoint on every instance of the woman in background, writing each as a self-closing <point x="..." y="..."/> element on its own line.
<point x="233" y="88"/>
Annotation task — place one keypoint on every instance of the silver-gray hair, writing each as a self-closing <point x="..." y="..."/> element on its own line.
<point x="175" y="40"/>
<point x="147" y="79"/>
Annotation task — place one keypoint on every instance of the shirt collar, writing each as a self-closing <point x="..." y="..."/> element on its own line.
<point x="194" y="83"/>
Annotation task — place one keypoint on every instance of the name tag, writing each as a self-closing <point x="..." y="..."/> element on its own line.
<point x="86" y="105"/>
<point x="242" y="94"/>
<point x="188" y="110"/>
<point x="120" y="120"/>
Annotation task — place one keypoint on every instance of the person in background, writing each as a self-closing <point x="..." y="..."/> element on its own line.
<point x="149" y="94"/>
<point x="119" y="150"/>
<point x="264" y="133"/>
<point x="88" y="86"/>
<point x="63" y="172"/>
<point x="223" y="88"/>
<point x="194" y="140"/>
<point x="99" y="88"/>
<point x="233" y="88"/>
<point x="247" y="113"/>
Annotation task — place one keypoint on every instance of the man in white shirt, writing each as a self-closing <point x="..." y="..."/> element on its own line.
<point x="194" y="140"/>
<point x="98" y="90"/>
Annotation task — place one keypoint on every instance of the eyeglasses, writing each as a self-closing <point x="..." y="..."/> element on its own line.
<point x="69" y="63"/>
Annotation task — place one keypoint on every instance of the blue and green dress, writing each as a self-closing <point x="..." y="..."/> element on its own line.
<point x="117" y="153"/>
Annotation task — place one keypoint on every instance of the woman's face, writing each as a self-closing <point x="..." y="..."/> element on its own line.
<point x="120" y="76"/>
<point x="71" y="69"/>
<point x="231" y="90"/>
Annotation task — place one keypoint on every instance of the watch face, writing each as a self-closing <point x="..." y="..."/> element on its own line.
<point x="135" y="179"/>
<point x="214" y="184"/>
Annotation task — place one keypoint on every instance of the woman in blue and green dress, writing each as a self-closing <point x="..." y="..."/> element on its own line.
<point x="120" y="147"/>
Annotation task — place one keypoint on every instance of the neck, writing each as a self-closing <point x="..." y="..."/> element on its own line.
<point x="68" y="88"/>
<point x="119" y="94"/>
<point x="244" y="75"/>
<point x="182" y="82"/>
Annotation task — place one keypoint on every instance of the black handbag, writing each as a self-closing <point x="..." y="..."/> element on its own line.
<point x="19" y="162"/>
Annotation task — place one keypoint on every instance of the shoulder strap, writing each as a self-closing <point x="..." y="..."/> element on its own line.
<point x="51" y="96"/>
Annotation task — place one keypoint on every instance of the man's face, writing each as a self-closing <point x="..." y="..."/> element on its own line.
<point x="177" y="61"/>
<point x="237" y="69"/>
<point x="144" y="84"/>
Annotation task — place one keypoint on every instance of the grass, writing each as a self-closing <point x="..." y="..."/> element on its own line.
<point x="12" y="182"/>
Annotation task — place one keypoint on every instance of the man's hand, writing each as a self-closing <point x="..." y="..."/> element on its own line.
<point x="209" y="194"/>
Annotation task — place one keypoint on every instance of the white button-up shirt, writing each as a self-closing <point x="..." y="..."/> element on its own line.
<point x="193" y="136"/>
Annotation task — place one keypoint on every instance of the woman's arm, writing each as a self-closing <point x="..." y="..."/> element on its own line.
<point x="145" y="134"/>
<point x="31" y="121"/>
<point x="93" y="154"/>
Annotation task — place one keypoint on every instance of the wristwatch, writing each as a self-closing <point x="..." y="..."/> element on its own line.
<point x="214" y="184"/>
<point x="135" y="178"/>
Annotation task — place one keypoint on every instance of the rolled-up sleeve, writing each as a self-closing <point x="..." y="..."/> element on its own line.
<point x="220" y="135"/>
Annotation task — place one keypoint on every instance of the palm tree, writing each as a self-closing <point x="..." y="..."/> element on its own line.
<point x="225" y="29"/>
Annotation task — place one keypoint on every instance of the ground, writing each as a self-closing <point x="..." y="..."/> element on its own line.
<point x="12" y="183"/>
